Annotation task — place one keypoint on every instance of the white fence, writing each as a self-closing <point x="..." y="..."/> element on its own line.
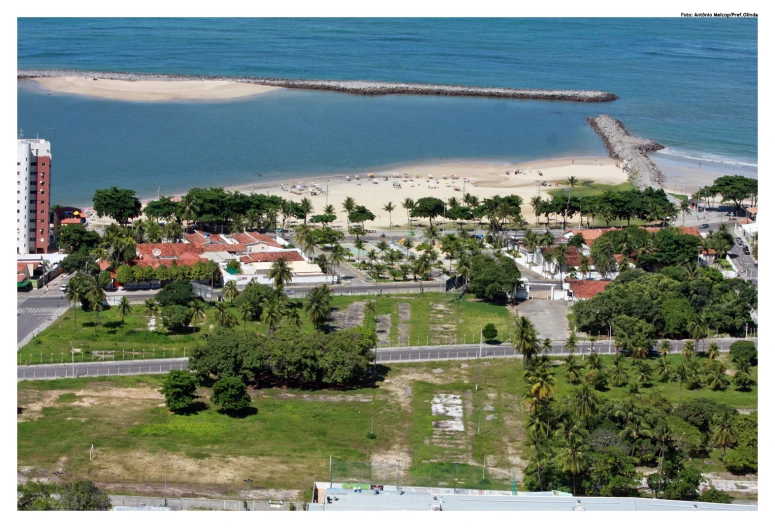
<point x="204" y="503"/>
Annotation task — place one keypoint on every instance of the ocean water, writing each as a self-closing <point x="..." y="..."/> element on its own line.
<point x="690" y="84"/>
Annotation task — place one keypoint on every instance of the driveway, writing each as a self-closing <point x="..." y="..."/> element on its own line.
<point x="550" y="318"/>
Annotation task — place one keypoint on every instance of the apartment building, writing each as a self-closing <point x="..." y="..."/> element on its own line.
<point x="33" y="195"/>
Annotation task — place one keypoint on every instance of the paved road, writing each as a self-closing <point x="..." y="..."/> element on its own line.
<point x="384" y="355"/>
<point x="32" y="312"/>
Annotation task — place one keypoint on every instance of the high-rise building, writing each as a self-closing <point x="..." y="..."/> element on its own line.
<point x="33" y="195"/>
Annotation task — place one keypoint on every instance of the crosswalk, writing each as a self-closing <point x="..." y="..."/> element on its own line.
<point x="37" y="311"/>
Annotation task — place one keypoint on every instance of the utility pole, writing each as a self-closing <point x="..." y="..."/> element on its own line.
<point x="72" y="355"/>
<point x="456" y="464"/>
<point x="331" y="469"/>
<point x="165" y="479"/>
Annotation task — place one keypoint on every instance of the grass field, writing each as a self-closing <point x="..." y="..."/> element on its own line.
<point x="588" y="188"/>
<point x="435" y="319"/>
<point x="287" y="442"/>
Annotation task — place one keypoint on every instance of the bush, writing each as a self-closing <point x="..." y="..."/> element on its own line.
<point x="179" y="389"/>
<point x="742" y="460"/>
<point x="175" y="318"/>
<point x="175" y="293"/>
<point x="744" y="350"/>
<point x="83" y="495"/>
<point x="231" y="395"/>
<point x="699" y="412"/>
<point x="714" y="495"/>
<point x="743" y="382"/>
<point x="489" y="332"/>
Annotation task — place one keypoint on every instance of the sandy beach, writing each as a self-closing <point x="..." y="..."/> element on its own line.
<point x="152" y="90"/>
<point x="482" y="179"/>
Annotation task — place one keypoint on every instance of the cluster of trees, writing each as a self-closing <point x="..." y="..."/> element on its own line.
<point x="201" y="271"/>
<point x="339" y="358"/>
<point x="677" y="302"/>
<point x="733" y="189"/>
<point x="649" y="205"/>
<point x="582" y="442"/>
<point x="77" y="495"/>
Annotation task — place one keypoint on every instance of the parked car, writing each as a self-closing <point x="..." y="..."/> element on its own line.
<point x="63" y="287"/>
<point x="132" y="286"/>
<point x="155" y="284"/>
<point x="746" y="251"/>
<point x="704" y="226"/>
<point x="145" y="285"/>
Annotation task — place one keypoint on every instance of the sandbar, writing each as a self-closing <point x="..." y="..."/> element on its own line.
<point x="152" y="90"/>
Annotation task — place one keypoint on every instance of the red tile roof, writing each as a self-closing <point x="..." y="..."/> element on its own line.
<point x="590" y="235"/>
<point x="586" y="289"/>
<point x="272" y="256"/>
<point x="20" y="277"/>
<point x="104" y="264"/>
<point x="230" y="248"/>
<point x="684" y="229"/>
<point x="573" y="258"/>
<point x="262" y="238"/>
<point x="71" y="221"/>
<point x="21" y="267"/>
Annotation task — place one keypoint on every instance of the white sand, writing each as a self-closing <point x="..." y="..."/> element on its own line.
<point x="152" y="90"/>
<point x="484" y="180"/>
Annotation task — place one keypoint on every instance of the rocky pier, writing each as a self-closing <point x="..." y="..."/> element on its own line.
<point x="351" y="87"/>
<point x="631" y="150"/>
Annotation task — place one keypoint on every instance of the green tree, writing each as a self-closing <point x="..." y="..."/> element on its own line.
<point x="360" y="214"/>
<point x="408" y="205"/>
<point x="572" y="369"/>
<point x="118" y="204"/>
<point x="585" y="401"/>
<point x="175" y="318"/>
<point x="735" y="189"/>
<point x="743" y="382"/>
<point x="230" y="290"/>
<point x="389" y="208"/>
<point x="196" y="310"/>
<point x="179" y="390"/>
<point x="743" y="351"/>
<point x="571" y="457"/>
<point x="348" y="206"/>
<point x="572" y="343"/>
<point x="73" y="295"/>
<point x="178" y="292"/>
<point x="151" y="310"/>
<point x="524" y="339"/>
<point x="36" y="496"/>
<point x="318" y="306"/>
<point x="246" y="313"/>
<point x="723" y="435"/>
<point x="75" y="238"/>
<point x="162" y="209"/>
<point x="492" y="277"/>
<point x="223" y="316"/>
<point x="231" y="395"/>
<point x="124" y="309"/>
<point x="489" y="332"/>
<point x="428" y="207"/>
<point x="713" y="495"/>
<point x="83" y="495"/>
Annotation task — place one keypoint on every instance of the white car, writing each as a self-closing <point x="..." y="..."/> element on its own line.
<point x="63" y="287"/>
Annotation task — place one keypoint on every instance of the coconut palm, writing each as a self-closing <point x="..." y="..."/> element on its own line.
<point x="664" y="347"/>
<point x="230" y="290"/>
<point x="584" y="265"/>
<point x="572" y="343"/>
<point x="196" y="309"/>
<point x="546" y="346"/>
<point x="585" y="401"/>
<point x="595" y="361"/>
<point x="688" y="349"/>
<point x="305" y="208"/>
<point x="348" y="206"/>
<point x="73" y="295"/>
<point x="561" y="257"/>
<point x="538" y="424"/>
<point x="723" y="435"/>
<point x="124" y="309"/>
<point x="620" y="375"/>
<point x="359" y="245"/>
<point x="318" y="306"/>
<point x="370" y="313"/>
<point x="713" y="351"/>
<point x="95" y="295"/>
<point x="221" y="314"/>
<point x="572" y="369"/>
<point x="273" y="311"/>
<point x="153" y="232"/>
<point x="716" y="379"/>
<point x="682" y="374"/>
<point x="389" y="208"/>
<point x="542" y="384"/>
<point x="408" y="204"/>
<point x="329" y="210"/>
<point x="698" y="330"/>
<point x="635" y="428"/>
<point x="422" y="268"/>
<point x="336" y="257"/>
<point x="524" y="339"/>
<point x="684" y="209"/>
<point x="293" y="318"/>
<point x="571" y="457"/>
<point x="246" y="313"/>
<point x="643" y="370"/>
<point x="664" y="371"/>
<point x="172" y="231"/>
<point x="281" y="273"/>
<point x="572" y="182"/>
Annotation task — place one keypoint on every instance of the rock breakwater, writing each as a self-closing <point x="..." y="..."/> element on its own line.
<point x="629" y="149"/>
<point x="351" y="87"/>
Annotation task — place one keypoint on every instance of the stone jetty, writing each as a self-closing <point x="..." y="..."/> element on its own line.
<point x="351" y="87"/>
<point x="629" y="149"/>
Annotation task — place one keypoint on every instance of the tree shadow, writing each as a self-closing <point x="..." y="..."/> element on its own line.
<point x="242" y="413"/>
<point x="195" y="408"/>
<point x="111" y="324"/>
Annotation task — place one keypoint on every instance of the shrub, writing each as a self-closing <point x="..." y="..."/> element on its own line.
<point x="743" y="382"/>
<point x="743" y="350"/>
<point x="231" y="395"/>
<point x="742" y="460"/>
<point x="179" y="389"/>
<point x="489" y="332"/>
<point x="700" y="412"/>
<point x="714" y="495"/>
<point x="175" y="318"/>
<point x="83" y="495"/>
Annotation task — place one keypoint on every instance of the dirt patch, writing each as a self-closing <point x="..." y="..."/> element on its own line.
<point x="404" y="316"/>
<point x="439" y="327"/>
<point x="117" y="396"/>
<point x="351" y="317"/>
<point x="385" y="465"/>
<point x="324" y="398"/>
<point x="400" y="386"/>
<point x="383" y="328"/>
<point x="34" y="403"/>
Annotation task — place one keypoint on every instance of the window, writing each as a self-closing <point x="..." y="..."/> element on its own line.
<point x="43" y="164"/>
<point x="18" y="192"/>
<point x="18" y="163"/>
<point x="32" y="230"/>
<point x="41" y="202"/>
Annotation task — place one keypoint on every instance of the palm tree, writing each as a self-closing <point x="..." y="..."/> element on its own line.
<point x="662" y="434"/>
<point x="422" y="267"/>
<point x="682" y="374"/>
<point x="684" y="209"/>
<point x="572" y="343"/>
<point x="688" y="349"/>
<point x="151" y="310"/>
<point x="305" y="207"/>
<point x="634" y="428"/>
<point x="713" y="351"/>
<point x="318" y="306"/>
<point x="664" y="347"/>
<point x="536" y="202"/>
<point x="74" y="296"/>
<point x="348" y="206"/>
<point x="221" y="314"/>
<point x="644" y="371"/>
<point x="572" y="182"/>
<point x="172" y="231"/>
<point x="389" y="208"/>
<point x="124" y="309"/>
<point x="664" y="370"/>
<point x="273" y="311"/>
<point x="246" y="312"/>
<point x="95" y="295"/>
<point x="329" y="210"/>
<point x="595" y="361"/>
<point x="585" y="401"/>
<point x="408" y="204"/>
<point x="572" y="369"/>
<point x="524" y="339"/>
<point x="153" y="232"/>
<point x="571" y="457"/>
<point x="336" y="257"/>
<point x="620" y="373"/>
<point x="584" y="265"/>
<point x="716" y="379"/>
<point x="370" y="313"/>
<point x="359" y="245"/>
<point x="230" y="290"/>
<point x="541" y="384"/>
<point x="723" y="435"/>
<point x="196" y="309"/>
<point x="546" y="346"/>
<point x="561" y="257"/>
<point x="697" y="330"/>
<point x="281" y="273"/>
<point x="538" y="424"/>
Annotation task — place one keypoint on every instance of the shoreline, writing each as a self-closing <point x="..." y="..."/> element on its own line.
<point x="351" y="87"/>
<point x="148" y="91"/>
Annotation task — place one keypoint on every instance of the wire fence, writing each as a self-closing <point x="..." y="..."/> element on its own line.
<point x="80" y="355"/>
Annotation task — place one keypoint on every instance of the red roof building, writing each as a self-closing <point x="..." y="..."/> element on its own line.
<point x="586" y="289"/>
<point x="272" y="256"/>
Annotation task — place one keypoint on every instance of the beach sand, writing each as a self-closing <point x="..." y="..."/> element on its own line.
<point x="485" y="179"/>
<point x="152" y="90"/>
<point x="686" y="176"/>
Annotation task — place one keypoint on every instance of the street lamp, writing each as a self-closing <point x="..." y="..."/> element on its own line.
<point x="249" y="481"/>
<point x="456" y="464"/>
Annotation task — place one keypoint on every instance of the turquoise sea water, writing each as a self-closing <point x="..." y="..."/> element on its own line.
<point x="690" y="84"/>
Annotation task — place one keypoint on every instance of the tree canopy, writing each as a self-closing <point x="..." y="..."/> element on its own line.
<point x="118" y="204"/>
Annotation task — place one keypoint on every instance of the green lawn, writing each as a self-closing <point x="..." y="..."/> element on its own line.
<point x="288" y="441"/>
<point x="588" y="188"/>
<point x="53" y="344"/>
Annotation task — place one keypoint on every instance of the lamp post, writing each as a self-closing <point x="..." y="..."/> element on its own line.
<point x="456" y="464"/>
<point x="609" y="337"/>
<point x="249" y="482"/>
<point x="72" y="355"/>
<point x="699" y="252"/>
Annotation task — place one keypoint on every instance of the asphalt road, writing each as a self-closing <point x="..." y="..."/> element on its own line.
<point x="387" y="355"/>
<point x="31" y="312"/>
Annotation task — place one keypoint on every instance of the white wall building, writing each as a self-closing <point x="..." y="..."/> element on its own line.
<point x="33" y="198"/>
